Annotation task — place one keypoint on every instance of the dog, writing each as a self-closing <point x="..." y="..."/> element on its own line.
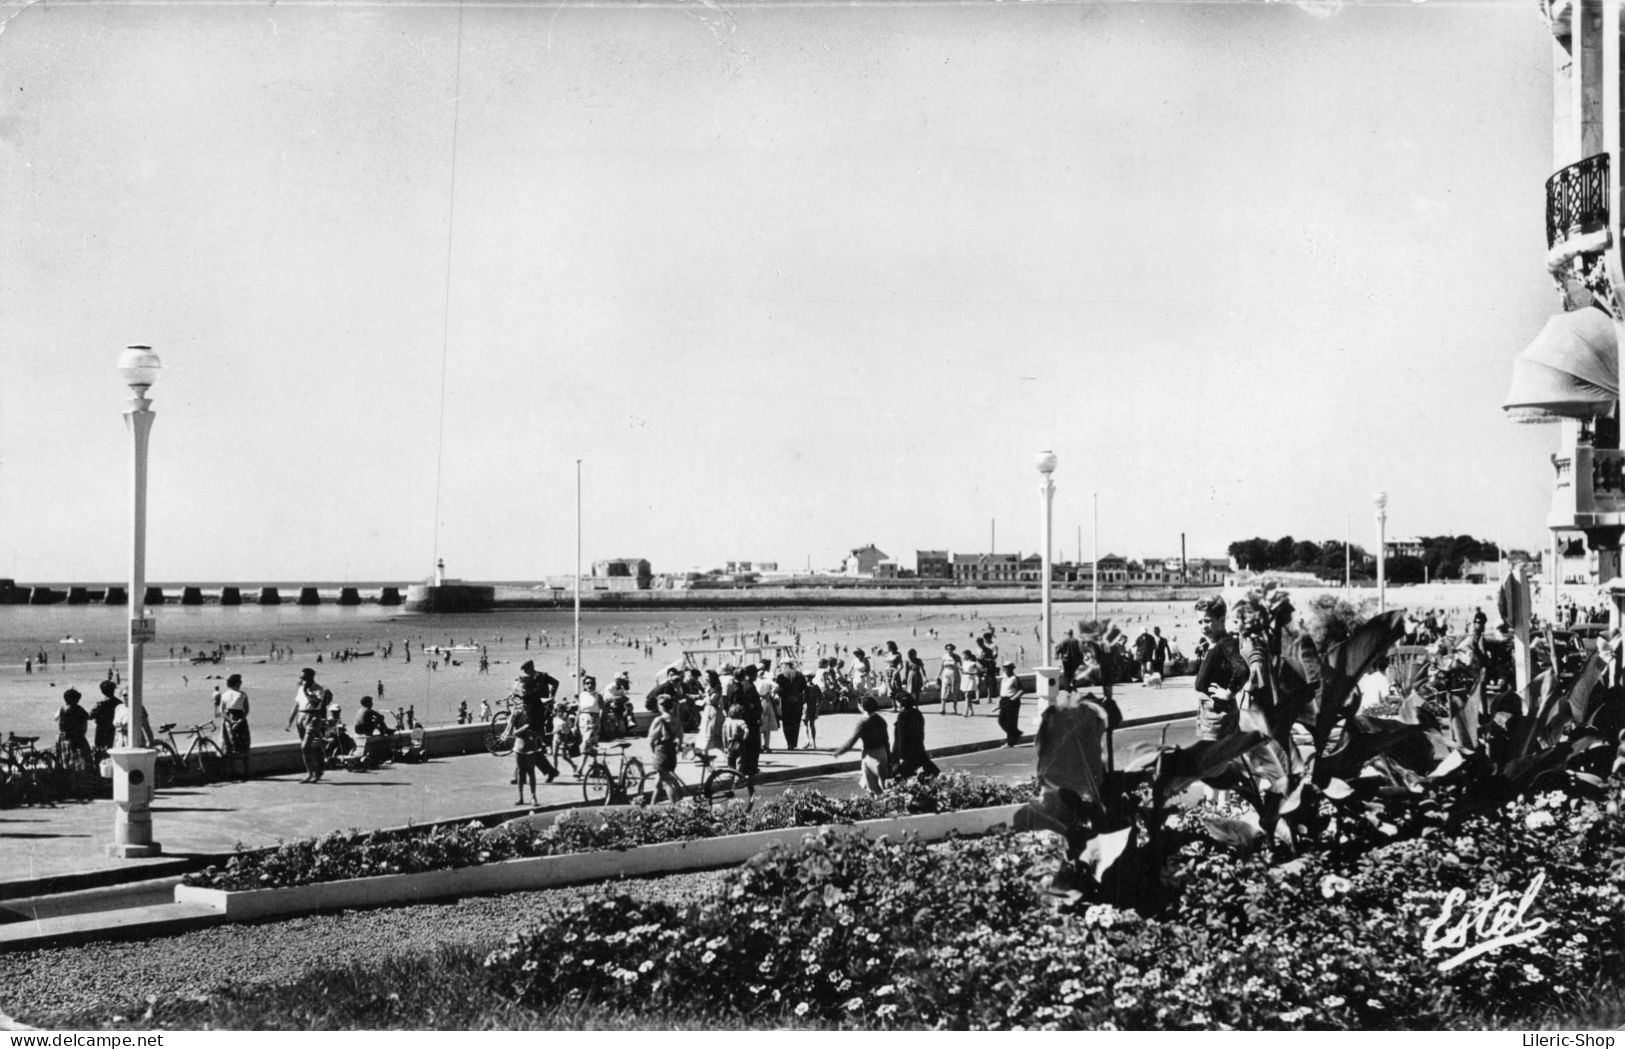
<point x="1153" y="680"/>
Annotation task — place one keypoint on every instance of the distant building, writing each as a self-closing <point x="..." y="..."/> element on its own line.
<point x="863" y="560"/>
<point x="620" y="568"/>
<point x="1404" y="547"/>
<point x="887" y="570"/>
<point x="987" y="568"/>
<point x="1481" y="571"/>
<point x="1113" y="570"/>
<point x="933" y="564"/>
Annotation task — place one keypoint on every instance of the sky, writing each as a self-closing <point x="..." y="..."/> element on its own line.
<point x="785" y="278"/>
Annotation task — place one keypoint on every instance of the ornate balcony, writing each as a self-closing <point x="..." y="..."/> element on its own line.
<point x="1577" y="200"/>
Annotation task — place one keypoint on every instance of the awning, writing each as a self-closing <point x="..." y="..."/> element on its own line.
<point x="1570" y="371"/>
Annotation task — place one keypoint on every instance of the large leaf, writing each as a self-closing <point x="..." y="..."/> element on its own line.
<point x="1465" y="713"/>
<point x="1366" y="737"/>
<point x="1104" y="850"/>
<point x="1579" y="700"/>
<point x="1143" y="755"/>
<point x="1071" y="749"/>
<point x="1183" y="766"/>
<point x="1061" y="812"/>
<point x="1267" y="761"/>
<point x="1346" y="663"/>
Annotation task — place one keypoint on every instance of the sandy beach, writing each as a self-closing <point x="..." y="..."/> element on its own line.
<point x="641" y="644"/>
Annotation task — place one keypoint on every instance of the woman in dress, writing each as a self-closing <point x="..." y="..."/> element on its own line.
<point x="711" y="714"/>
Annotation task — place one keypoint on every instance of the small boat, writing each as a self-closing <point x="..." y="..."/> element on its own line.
<point x="70" y="641"/>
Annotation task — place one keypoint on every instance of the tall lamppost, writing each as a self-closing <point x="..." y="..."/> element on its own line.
<point x="1094" y="603"/>
<point x="578" y="577"/>
<point x="1047" y="673"/>
<point x="1381" y="500"/>
<point x="134" y="764"/>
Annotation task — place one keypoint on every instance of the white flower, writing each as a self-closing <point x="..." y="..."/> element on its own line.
<point x="1538" y="819"/>
<point x="853" y="1004"/>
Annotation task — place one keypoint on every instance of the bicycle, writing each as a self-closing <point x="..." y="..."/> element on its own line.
<point x="722" y="785"/>
<point x="202" y="762"/>
<point x="497" y="741"/>
<point x="600" y="786"/>
<point x="26" y="771"/>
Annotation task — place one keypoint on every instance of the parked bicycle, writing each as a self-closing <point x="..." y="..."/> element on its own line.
<point x="720" y="786"/>
<point x="601" y="786"/>
<point x="27" y="773"/>
<point x="201" y="762"/>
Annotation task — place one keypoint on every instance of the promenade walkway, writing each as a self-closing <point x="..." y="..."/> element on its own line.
<point x="56" y="848"/>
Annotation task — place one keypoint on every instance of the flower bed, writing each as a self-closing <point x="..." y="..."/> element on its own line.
<point x="354" y="854"/>
<point x="900" y="933"/>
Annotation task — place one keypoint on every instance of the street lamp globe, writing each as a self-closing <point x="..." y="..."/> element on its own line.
<point x="139" y="367"/>
<point x="1046" y="463"/>
<point x="1381" y="499"/>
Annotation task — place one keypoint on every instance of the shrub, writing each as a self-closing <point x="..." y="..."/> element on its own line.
<point x="897" y="933"/>
<point x="356" y="854"/>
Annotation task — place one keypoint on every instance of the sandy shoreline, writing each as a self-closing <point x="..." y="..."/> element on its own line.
<point x="640" y="643"/>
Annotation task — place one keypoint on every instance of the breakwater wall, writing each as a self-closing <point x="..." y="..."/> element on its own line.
<point x="462" y="598"/>
<point x="12" y="593"/>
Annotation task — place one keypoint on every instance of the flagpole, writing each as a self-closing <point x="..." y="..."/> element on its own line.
<point x="578" y="577"/>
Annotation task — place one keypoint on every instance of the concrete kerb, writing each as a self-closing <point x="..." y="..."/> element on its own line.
<point x="198" y="908"/>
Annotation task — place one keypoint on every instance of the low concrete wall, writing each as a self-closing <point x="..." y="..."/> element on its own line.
<point x="282" y="757"/>
<point x="548" y="871"/>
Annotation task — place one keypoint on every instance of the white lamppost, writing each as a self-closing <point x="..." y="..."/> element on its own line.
<point x="1046" y="469"/>
<point x="134" y="764"/>
<point x="1381" y="499"/>
<point x="1047" y="674"/>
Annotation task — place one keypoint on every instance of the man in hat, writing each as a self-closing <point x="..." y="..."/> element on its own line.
<point x="671" y="685"/>
<point x="1070" y="654"/>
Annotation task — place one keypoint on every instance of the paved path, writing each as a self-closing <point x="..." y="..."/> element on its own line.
<point x="54" y="848"/>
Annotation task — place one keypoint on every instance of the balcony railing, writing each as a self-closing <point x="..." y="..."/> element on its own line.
<point x="1577" y="199"/>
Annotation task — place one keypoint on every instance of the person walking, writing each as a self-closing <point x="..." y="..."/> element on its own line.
<point x="527" y="746"/>
<point x="231" y="707"/>
<point x="768" y="691"/>
<point x="665" y="739"/>
<point x="913" y="676"/>
<point x="310" y="715"/>
<point x="948" y="680"/>
<point x="743" y="695"/>
<point x="103" y="714"/>
<point x="875" y="770"/>
<point x="1070" y="654"/>
<point x="1010" y="693"/>
<point x="1222" y="675"/>
<point x="813" y="700"/>
<point x="908" y="737"/>
<point x="72" y="724"/>
<point x="792" y="692"/>
<point x="970" y="682"/>
<point x="711" y="714"/>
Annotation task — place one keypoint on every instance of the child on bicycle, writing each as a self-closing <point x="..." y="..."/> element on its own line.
<point x="665" y="737"/>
